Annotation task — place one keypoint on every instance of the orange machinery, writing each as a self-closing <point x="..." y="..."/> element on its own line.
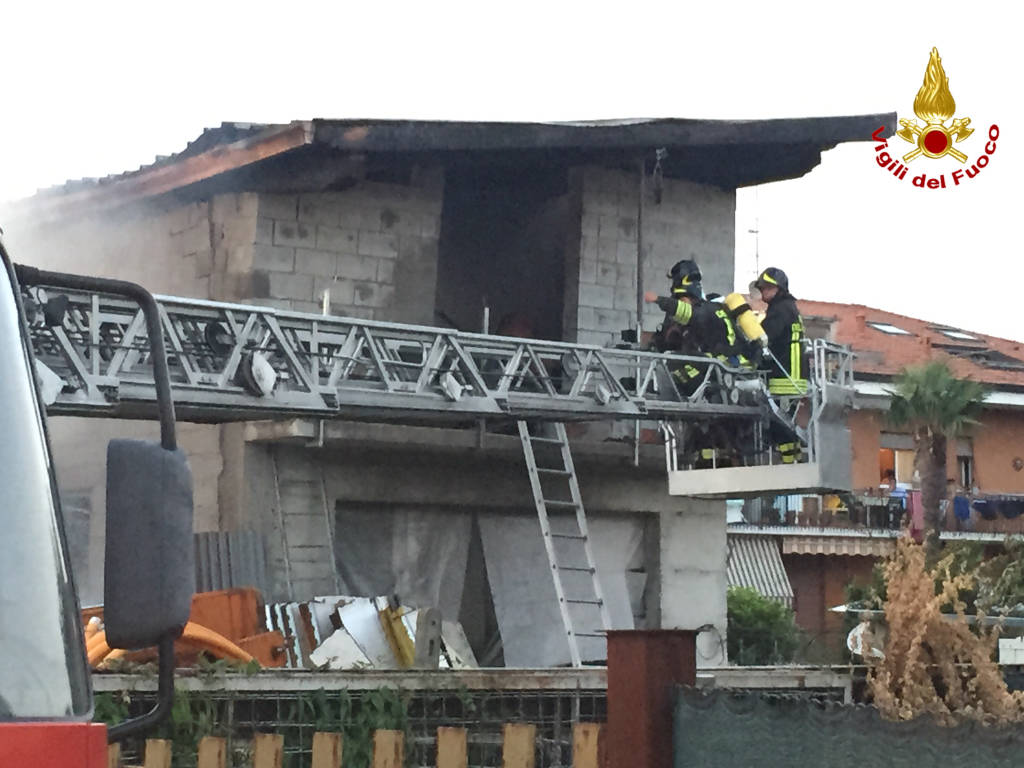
<point x="226" y="624"/>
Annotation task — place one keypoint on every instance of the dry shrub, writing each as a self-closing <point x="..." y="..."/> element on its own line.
<point x="934" y="665"/>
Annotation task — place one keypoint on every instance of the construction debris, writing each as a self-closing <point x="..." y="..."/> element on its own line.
<point x="380" y="633"/>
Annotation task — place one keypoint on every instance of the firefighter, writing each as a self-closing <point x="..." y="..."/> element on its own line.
<point x="787" y="363"/>
<point x="697" y="327"/>
<point x="693" y="325"/>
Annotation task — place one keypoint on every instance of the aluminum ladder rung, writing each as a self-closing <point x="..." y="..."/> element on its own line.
<point x="595" y="595"/>
<point x="590" y="634"/>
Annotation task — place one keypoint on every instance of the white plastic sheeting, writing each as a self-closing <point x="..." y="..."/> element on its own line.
<point x="531" y="626"/>
<point x="421" y="554"/>
<point x="418" y="553"/>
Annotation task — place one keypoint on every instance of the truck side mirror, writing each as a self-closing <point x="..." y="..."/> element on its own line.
<point x="149" y="575"/>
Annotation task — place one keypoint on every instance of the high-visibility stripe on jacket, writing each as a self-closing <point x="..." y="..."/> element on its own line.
<point x="785" y="330"/>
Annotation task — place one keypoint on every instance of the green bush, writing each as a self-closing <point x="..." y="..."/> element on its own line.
<point x="761" y="631"/>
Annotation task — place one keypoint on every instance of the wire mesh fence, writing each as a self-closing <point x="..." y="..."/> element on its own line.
<point x="237" y="716"/>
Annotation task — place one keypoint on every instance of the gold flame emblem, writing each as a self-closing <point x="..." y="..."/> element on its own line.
<point x="934" y="104"/>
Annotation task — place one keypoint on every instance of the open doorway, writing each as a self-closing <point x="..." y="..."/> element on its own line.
<point x="504" y="236"/>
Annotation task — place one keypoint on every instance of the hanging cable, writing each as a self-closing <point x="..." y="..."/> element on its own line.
<point x="658" y="174"/>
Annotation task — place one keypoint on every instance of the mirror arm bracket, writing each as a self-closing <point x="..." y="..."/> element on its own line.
<point x="164" y="698"/>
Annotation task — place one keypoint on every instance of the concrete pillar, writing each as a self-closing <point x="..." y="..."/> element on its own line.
<point x="692" y="570"/>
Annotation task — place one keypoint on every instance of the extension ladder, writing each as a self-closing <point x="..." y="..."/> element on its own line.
<point x="567" y="543"/>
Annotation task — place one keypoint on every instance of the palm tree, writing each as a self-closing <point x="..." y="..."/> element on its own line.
<point x="936" y="406"/>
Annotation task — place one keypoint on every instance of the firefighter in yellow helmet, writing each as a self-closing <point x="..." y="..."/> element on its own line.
<point x="696" y="327"/>
<point x="787" y="363"/>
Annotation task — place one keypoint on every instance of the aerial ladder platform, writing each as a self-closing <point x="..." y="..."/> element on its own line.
<point x="240" y="362"/>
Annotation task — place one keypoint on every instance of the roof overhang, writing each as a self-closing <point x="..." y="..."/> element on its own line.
<point x="725" y="153"/>
<point x="875" y="394"/>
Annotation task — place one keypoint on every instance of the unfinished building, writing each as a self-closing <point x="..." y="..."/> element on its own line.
<point x="539" y="230"/>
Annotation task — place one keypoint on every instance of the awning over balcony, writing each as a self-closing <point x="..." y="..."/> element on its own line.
<point x="838" y="545"/>
<point x="755" y="561"/>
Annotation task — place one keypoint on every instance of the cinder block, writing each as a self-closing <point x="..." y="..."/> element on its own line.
<point x="625" y="253"/>
<point x="350" y="216"/>
<point x="357" y="267"/>
<point x="362" y="313"/>
<point x="337" y="239"/>
<point x="608" y="226"/>
<point x="607" y="273"/>
<point x="317" y="263"/>
<point x="177" y="219"/>
<point x="613" y="320"/>
<point x="341" y="290"/>
<point x="298" y="234"/>
<point x="318" y="209"/>
<point x="273" y="258"/>
<point x="625" y="297"/>
<point x="607" y="249"/>
<point x="366" y="295"/>
<point x="601" y="201"/>
<point x="195" y="239"/>
<point x="197" y="213"/>
<point x="204" y="263"/>
<point x="590" y="224"/>
<point x="386" y="271"/>
<point x="597" y="338"/>
<point x="390" y="218"/>
<point x="264" y="230"/>
<point x="283" y="304"/>
<point x="378" y="244"/>
<point x="291" y="286"/>
<point x="585" y="318"/>
<point x="596" y="296"/>
<point x="588" y="270"/>
<point x="369" y="218"/>
<point x="309" y="307"/>
<point x="284" y="207"/>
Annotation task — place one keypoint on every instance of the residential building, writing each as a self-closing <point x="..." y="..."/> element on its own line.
<point x="825" y="543"/>
<point x="429" y="223"/>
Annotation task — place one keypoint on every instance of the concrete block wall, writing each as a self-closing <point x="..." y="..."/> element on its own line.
<point x="694" y="221"/>
<point x="373" y="248"/>
<point x="169" y="250"/>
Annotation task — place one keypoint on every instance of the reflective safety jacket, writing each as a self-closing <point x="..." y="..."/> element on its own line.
<point x="709" y="329"/>
<point x="785" y="330"/>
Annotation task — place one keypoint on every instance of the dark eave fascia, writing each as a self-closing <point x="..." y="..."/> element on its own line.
<point x="433" y="136"/>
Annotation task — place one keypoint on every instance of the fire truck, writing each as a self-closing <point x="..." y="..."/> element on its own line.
<point x="45" y="691"/>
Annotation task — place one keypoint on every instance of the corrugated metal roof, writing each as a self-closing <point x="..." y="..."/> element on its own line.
<point x="755" y="561"/>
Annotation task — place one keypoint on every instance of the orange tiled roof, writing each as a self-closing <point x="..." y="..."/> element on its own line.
<point x="971" y="355"/>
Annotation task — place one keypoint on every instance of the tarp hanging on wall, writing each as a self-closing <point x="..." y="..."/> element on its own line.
<point x="524" y="594"/>
<point x="417" y="552"/>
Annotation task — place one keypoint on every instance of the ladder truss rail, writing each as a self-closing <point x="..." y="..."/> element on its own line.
<point x="326" y="366"/>
<point x="588" y="594"/>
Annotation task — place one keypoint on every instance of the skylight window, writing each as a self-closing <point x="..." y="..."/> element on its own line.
<point x="891" y="329"/>
<point x="959" y="335"/>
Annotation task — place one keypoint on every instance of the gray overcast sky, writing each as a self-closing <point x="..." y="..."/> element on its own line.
<point x="96" y="88"/>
